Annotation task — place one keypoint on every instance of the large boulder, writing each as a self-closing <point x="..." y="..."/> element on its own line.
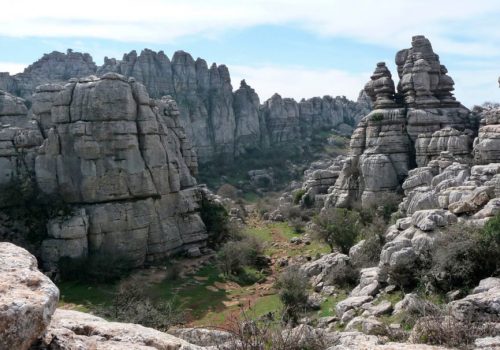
<point x="27" y="298"/>
<point x="482" y="305"/>
<point x="77" y="330"/>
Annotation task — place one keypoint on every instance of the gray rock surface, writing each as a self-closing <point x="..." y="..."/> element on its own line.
<point x="219" y="122"/>
<point x="407" y="128"/>
<point x="19" y="139"/>
<point x="51" y="68"/>
<point x="27" y="298"/>
<point x="125" y="162"/>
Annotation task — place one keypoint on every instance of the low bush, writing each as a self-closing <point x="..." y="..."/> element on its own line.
<point x="462" y="256"/>
<point x="216" y="219"/>
<point x="338" y="227"/>
<point x="445" y="330"/>
<point x="268" y="333"/>
<point x="22" y="201"/>
<point x="343" y="275"/>
<point x="228" y="191"/>
<point x="292" y="285"/>
<point x="297" y="195"/>
<point x="298" y="225"/>
<point x="132" y="305"/>
<point x="235" y="255"/>
<point x="374" y="239"/>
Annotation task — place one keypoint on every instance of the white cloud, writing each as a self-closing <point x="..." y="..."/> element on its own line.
<point x="472" y="87"/>
<point x="12" y="67"/>
<point x="298" y="82"/>
<point x="384" y="22"/>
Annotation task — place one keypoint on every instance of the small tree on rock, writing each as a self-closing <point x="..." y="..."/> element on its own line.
<point x="338" y="227"/>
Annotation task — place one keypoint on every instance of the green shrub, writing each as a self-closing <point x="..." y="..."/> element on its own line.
<point x="463" y="256"/>
<point x="292" y="285"/>
<point x="377" y="117"/>
<point x="234" y="256"/>
<point x="297" y="195"/>
<point x="374" y="240"/>
<point x="298" y="225"/>
<point x="216" y="219"/>
<point x="131" y="304"/>
<point x="338" y="227"/>
<point x="24" y="203"/>
<point x="491" y="231"/>
<point x="343" y="275"/>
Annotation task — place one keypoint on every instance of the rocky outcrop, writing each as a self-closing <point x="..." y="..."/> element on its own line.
<point x="77" y="330"/>
<point x="27" y="298"/>
<point x="407" y="128"/>
<point x="19" y="139"/>
<point x="219" y="122"/>
<point x="487" y="144"/>
<point x="51" y="68"/>
<point x="123" y="161"/>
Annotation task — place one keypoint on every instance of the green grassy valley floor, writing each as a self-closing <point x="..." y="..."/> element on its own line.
<point x="206" y="297"/>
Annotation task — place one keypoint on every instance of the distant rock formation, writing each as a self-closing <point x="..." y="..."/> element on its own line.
<point x="407" y="128"/>
<point x="119" y="158"/>
<point x="219" y="122"/>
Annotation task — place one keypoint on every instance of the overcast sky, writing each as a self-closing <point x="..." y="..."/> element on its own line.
<point x="296" y="48"/>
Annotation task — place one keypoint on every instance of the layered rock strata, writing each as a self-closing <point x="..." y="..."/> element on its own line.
<point x="220" y="122"/>
<point x="124" y="161"/>
<point x="20" y="138"/>
<point x="121" y="160"/>
<point x="407" y="128"/>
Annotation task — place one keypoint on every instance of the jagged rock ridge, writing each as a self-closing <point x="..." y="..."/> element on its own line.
<point x="219" y="122"/>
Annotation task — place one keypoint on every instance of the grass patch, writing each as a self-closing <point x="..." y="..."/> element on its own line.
<point x="393" y="298"/>
<point x="86" y="297"/>
<point x="328" y="306"/>
<point x="198" y="296"/>
<point x="266" y="304"/>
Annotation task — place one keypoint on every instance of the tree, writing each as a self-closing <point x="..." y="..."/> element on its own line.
<point x="338" y="227"/>
<point x="292" y="287"/>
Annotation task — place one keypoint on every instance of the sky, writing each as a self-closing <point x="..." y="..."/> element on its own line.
<point x="299" y="49"/>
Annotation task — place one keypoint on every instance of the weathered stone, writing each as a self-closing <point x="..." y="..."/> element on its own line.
<point x="27" y="298"/>
<point x="483" y="305"/>
<point x="65" y="332"/>
<point x="131" y="165"/>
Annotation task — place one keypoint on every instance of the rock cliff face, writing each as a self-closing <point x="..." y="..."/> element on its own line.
<point x="19" y="138"/>
<point x="119" y="158"/>
<point x="219" y="122"/>
<point x="407" y="128"/>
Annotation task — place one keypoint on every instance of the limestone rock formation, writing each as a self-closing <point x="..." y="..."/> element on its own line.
<point x="19" y="139"/>
<point x="65" y="332"/>
<point x="219" y="122"/>
<point x="53" y="67"/>
<point x="124" y="162"/>
<point x="407" y="128"/>
<point x="27" y="298"/>
<point x="487" y="144"/>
